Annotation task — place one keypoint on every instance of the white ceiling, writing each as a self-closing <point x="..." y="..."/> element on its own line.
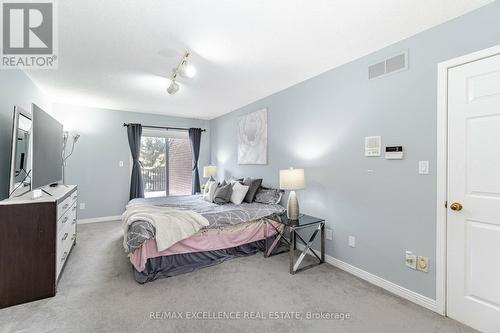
<point x="118" y="54"/>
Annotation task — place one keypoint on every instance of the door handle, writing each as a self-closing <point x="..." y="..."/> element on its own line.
<point x="456" y="206"/>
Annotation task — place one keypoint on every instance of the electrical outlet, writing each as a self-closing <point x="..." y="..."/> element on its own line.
<point x="82" y="205"/>
<point x="120" y="164"/>
<point x="411" y="260"/>
<point x="423" y="264"/>
<point x="352" y="241"/>
<point x="329" y="234"/>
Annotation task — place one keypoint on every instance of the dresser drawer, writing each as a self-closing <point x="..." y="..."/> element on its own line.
<point x="69" y="217"/>
<point x="74" y="196"/>
<point x="63" y="206"/>
<point x="65" y="241"/>
<point x="68" y="231"/>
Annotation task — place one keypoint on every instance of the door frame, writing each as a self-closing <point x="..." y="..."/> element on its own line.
<point x="442" y="166"/>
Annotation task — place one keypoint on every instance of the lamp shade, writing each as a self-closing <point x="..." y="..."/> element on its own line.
<point x="209" y="171"/>
<point x="292" y="179"/>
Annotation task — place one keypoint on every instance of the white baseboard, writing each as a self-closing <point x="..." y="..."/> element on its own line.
<point x="100" y="219"/>
<point x="396" y="289"/>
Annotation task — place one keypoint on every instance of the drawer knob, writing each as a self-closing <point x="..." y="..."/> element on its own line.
<point x="74" y="208"/>
<point x="64" y="256"/>
<point x="65" y="206"/>
<point x="65" y="220"/>
<point x="65" y="236"/>
<point x="74" y="237"/>
<point x="74" y="221"/>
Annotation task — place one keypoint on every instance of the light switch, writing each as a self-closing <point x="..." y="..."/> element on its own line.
<point x="120" y="164"/>
<point x="352" y="241"/>
<point x="423" y="167"/>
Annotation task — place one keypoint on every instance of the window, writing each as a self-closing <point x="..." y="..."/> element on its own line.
<point x="166" y="160"/>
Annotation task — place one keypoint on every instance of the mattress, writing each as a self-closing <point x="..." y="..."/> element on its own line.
<point x="218" y="216"/>
<point x="230" y="228"/>
<point x="207" y="240"/>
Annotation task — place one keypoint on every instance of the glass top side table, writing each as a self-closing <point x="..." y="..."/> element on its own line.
<point x="292" y="226"/>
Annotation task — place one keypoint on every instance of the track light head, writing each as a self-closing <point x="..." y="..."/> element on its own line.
<point x="173" y="88"/>
<point x="187" y="70"/>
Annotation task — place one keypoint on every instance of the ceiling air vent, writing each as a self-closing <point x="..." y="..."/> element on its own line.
<point x="388" y="66"/>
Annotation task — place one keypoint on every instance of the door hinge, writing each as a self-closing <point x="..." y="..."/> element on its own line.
<point x="446" y="204"/>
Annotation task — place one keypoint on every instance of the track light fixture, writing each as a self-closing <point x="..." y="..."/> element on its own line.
<point x="184" y="69"/>
<point x="173" y="88"/>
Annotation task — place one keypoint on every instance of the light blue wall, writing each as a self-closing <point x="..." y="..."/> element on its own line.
<point x="320" y="125"/>
<point x="94" y="166"/>
<point x="16" y="88"/>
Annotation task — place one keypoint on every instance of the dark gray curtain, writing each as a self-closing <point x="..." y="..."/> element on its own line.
<point x="195" y="138"/>
<point x="134" y="132"/>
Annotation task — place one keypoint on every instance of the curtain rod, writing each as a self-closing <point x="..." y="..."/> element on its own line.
<point x="165" y="127"/>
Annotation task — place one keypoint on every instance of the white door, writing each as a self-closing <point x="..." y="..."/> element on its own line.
<point x="473" y="233"/>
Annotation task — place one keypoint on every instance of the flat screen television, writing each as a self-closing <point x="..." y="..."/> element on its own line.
<point x="47" y="149"/>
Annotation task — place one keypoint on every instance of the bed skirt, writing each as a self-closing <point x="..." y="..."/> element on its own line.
<point x="172" y="265"/>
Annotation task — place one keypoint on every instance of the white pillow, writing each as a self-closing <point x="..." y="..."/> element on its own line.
<point x="209" y="194"/>
<point x="239" y="193"/>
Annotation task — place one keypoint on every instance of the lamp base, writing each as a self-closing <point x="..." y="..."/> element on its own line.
<point x="292" y="207"/>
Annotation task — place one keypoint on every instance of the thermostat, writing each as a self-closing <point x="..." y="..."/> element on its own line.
<point x="394" y="153"/>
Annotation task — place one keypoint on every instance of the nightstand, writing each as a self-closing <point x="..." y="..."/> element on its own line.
<point x="291" y="227"/>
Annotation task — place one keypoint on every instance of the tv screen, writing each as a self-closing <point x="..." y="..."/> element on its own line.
<point x="47" y="149"/>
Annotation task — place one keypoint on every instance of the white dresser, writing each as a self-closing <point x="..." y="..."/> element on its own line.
<point x="67" y="206"/>
<point x="36" y="239"/>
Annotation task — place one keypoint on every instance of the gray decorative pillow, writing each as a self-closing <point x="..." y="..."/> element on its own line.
<point x="223" y="194"/>
<point x="253" y="187"/>
<point x="268" y="195"/>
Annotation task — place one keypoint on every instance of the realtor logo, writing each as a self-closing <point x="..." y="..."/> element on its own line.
<point x="28" y="34"/>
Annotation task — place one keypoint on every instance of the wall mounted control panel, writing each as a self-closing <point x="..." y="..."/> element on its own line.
<point x="372" y="145"/>
<point x="394" y="153"/>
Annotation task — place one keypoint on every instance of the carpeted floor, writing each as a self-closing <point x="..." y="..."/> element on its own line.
<point x="98" y="293"/>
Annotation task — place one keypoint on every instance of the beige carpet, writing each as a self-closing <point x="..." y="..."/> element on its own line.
<point x="98" y="293"/>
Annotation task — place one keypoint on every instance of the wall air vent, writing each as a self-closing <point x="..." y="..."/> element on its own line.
<point x="388" y="66"/>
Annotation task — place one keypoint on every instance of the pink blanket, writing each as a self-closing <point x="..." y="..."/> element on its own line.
<point x="207" y="240"/>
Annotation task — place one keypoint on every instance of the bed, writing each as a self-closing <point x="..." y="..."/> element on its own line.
<point x="232" y="231"/>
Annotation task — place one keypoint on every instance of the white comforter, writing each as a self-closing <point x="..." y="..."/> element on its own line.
<point x="171" y="225"/>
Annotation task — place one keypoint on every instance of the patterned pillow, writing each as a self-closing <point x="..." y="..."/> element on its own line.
<point x="268" y="195"/>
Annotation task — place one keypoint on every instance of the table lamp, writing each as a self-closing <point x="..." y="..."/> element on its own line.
<point x="210" y="171"/>
<point x="292" y="179"/>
